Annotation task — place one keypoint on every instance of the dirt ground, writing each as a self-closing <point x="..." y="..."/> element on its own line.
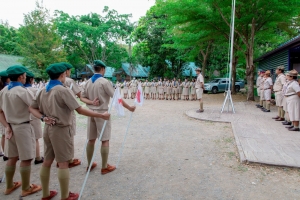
<point x="170" y="156"/>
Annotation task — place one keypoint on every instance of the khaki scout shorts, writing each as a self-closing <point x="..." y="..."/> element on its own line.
<point x="199" y="92"/>
<point x="279" y="98"/>
<point x="73" y="126"/>
<point x="37" y="128"/>
<point x="22" y="143"/>
<point x="58" y="143"/>
<point x="95" y="127"/>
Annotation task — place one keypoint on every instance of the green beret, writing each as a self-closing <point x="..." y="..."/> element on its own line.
<point x="68" y="65"/>
<point x="29" y="74"/>
<point x="56" y="68"/>
<point x="3" y="74"/>
<point x="16" y="70"/>
<point x="99" y="63"/>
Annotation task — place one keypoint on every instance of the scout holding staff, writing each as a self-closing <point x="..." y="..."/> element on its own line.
<point x="278" y="85"/>
<point x="20" y="139"/>
<point x="199" y="89"/>
<point x="268" y="85"/>
<point x="70" y="83"/>
<point x="293" y="100"/>
<point x="35" y="122"/>
<point x="101" y="88"/>
<point x="55" y="104"/>
<point x="4" y="82"/>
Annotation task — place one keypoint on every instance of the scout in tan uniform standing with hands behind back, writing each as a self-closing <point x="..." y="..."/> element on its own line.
<point x="278" y="85"/>
<point x="36" y="123"/>
<point x="20" y="138"/>
<point x="99" y="87"/>
<point x="58" y="102"/>
<point x="199" y="88"/>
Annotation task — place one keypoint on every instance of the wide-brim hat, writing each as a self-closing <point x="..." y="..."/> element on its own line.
<point x="281" y="67"/>
<point x="268" y="72"/>
<point x="198" y="69"/>
<point x="292" y="73"/>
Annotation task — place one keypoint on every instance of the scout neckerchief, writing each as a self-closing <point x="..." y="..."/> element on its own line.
<point x="5" y="84"/>
<point x="285" y="86"/>
<point x="52" y="84"/>
<point x="13" y="84"/>
<point x="95" y="77"/>
<point x="27" y="85"/>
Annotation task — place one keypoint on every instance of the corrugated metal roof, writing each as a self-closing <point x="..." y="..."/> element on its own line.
<point x="108" y="71"/>
<point x="188" y="69"/>
<point x="9" y="60"/>
<point x="137" y="71"/>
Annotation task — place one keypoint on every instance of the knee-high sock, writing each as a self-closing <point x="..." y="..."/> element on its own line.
<point x="261" y="102"/>
<point x="282" y="112"/>
<point x="264" y="104"/>
<point x="9" y="174"/>
<point x="268" y="105"/>
<point x="201" y="104"/>
<point x="45" y="179"/>
<point x="89" y="152"/>
<point x="279" y="112"/>
<point x="25" y="177"/>
<point x="64" y="178"/>
<point x="104" y="155"/>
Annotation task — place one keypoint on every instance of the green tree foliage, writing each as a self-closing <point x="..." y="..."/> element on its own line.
<point x="8" y="40"/>
<point x="39" y="43"/>
<point x="92" y="36"/>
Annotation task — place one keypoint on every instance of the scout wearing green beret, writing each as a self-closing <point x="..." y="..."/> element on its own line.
<point x="36" y="123"/>
<point x="14" y="103"/>
<point x="70" y="83"/>
<point x="3" y="83"/>
<point x="54" y="105"/>
<point x="101" y="88"/>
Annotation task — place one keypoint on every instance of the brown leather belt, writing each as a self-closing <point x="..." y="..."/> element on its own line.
<point x="289" y="95"/>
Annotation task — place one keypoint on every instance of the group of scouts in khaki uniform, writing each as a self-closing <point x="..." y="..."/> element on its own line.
<point x="166" y="89"/>
<point x="21" y="107"/>
<point x="287" y="96"/>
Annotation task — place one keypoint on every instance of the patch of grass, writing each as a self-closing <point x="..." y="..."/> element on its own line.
<point x="228" y="140"/>
<point x="241" y="168"/>
<point x="230" y="154"/>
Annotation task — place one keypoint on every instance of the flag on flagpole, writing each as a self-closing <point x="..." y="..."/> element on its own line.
<point x="117" y="103"/>
<point x="139" y="98"/>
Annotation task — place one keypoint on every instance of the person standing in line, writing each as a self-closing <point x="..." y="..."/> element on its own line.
<point x="293" y="100"/>
<point x="175" y="89"/>
<point x="160" y="89"/>
<point x="179" y="89"/>
<point x="152" y="90"/>
<point x="99" y="87"/>
<point x="268" y="85"/>
<point x="58" y="102"/>
<point x="125" y="89"/>
<point x="261" y="91"/>
<point x="199" y="89"/>
<point x="35" y="122"/>
<point x="4" y="82"/>
<point x="169" y="90"/>
<point x="147" y="89"/>
<point x="165" y="88"/>
<point x="20" y="138"/>
<point x="185" y="92"/>
<point x="278" y="85"/>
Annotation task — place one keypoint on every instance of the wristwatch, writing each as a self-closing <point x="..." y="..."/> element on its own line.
<point x="42" y="118"/>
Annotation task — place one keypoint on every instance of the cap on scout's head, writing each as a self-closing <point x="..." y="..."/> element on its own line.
<point x="268" y="72"/>
<point x="29" y="74"/>
<point x="3" y="74"/>
<point x="281" y="67"/>
<point x="16" y="70"/>
<point x="68" y="65"/>
<point x="56" y="68"/>
<point x="99" y="63"/>
<point x="293" y="73"/>
<point x="198" y="69"/>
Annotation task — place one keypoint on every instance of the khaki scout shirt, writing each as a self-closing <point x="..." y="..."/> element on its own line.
<point x="101" y="89"/>
<point x="268" y="83"/>
<point x="68" y="82"/>
<point x="59" y="103"/>
<point x="262" y="82"/>
<point x="15" y="103"/>
<point x="279" y="82"/>
<point x="258" y="80"/>
<point x="199" y="81"/>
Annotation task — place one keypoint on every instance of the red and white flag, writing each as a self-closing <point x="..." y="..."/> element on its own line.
<point x="117" y="103"/>
<point x="139" y="97"/>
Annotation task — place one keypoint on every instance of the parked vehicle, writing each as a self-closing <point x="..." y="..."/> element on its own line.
<point x="221" y="84"/>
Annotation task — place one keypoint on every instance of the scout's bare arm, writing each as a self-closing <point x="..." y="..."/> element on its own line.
<point x="8" y="131"/>
<point x="128" y="107"/>
<point x="89" y="113"/>
<point x="48" y="120"/>
<point x="95" y="102"/>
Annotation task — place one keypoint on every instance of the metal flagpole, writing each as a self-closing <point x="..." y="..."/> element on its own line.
<point x="121" y="150"/>
<point x="228" y="95"/>
<point x="96" y="150"/>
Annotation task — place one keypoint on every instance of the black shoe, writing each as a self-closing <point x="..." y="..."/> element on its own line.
<point x="36" y="162"/>
<point x="289" y="127"/>
<point x="5" y="158"/>
<point x="258" y="106"/>
<point x="293" y="129"/>
<point x="286" y="123"/>
<point x="1" y="154"/>
<point x="265" y="110"/>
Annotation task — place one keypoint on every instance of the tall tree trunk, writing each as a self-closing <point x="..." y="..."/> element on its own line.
<point x="233" y="71"/>
<point x="250" y="74"/>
